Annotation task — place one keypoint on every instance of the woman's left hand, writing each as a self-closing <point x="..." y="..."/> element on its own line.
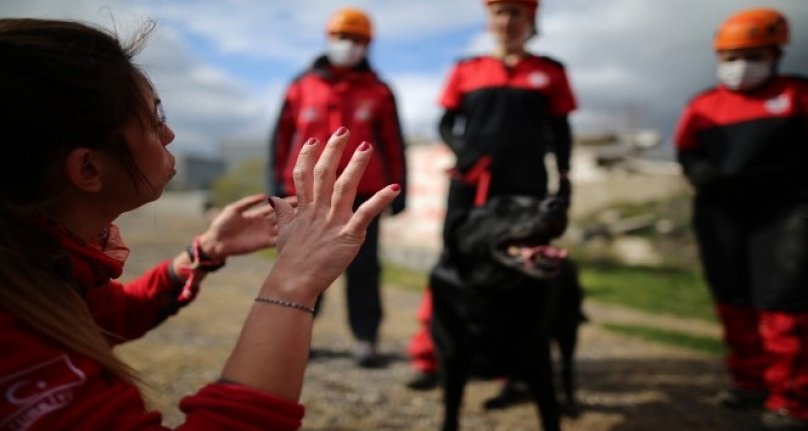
<point x="244" y="226"/>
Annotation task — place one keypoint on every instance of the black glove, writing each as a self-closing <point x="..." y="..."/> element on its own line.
<point x="564" y="188"/>
<point x="467" y="158"/>
<point x="398" y="204"/>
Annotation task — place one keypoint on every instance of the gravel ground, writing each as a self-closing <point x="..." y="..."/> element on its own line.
<point x="624" y="383"/>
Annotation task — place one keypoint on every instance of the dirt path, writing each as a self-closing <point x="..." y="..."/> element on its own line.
<point x="624" y="383"/>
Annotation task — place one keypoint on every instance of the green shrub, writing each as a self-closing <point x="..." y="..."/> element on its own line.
<point x="710" y="345"/>
<point x="247" y="179"/>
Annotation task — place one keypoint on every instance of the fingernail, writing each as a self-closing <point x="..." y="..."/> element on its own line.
<point x="312" y="141"/>
<point x="270" y="202"/>
<point x="341" y="131"/>
<point x="395" y="187"/>
<point x="364" y="146"/>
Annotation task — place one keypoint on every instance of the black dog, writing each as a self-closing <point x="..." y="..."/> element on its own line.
<point x="500" y="293"/>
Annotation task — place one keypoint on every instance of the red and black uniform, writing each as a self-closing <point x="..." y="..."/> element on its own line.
<point x="316" y="103"/>
<point x="46" y="387"/>
<point x="502" y="120"/>
<point x="746" y="154"/>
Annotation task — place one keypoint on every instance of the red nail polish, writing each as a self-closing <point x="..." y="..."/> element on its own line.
<point x="270" y="202"/>
<point x="364" y="146"/>
<point x="341" y="131"/>
<point x="312" y="141"/>
<point x="395" y="187"/>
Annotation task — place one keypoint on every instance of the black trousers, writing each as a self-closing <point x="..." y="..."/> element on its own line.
<point x="755" y="254"/>
<point x="362" y="284"/>
<point x="363" y="288"/>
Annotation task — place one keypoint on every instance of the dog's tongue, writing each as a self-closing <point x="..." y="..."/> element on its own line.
<point x="529" y="254"/>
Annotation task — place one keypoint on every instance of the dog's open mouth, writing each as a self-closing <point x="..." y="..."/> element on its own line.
<point x="538" y="261"/>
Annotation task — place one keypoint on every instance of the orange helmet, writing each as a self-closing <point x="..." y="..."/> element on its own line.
<point x="752" y="28"/>
<point x="351" y="21"/>
<point x="534" y="3"/>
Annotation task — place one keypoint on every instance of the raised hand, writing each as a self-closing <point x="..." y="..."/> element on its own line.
<point x="243" y="226"/>
<point x="316" y="242"/>
<point x="318" y="239"/>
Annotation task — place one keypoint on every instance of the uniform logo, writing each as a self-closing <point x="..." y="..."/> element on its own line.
<point x="538" y="79"/>
<point x="309" y="114"/>
<point x="779" y="104"/>
<point x="37" y="391"/>
<point x="365" y="111"/>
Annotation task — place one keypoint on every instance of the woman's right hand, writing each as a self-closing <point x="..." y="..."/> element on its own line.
<point x="321" y="236"/>
<point x="316" y="242"/>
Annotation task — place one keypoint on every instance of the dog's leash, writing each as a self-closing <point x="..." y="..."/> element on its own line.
<point x="479" y="175"/>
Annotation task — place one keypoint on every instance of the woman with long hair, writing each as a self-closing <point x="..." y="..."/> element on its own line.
<point x="83" y="140"/>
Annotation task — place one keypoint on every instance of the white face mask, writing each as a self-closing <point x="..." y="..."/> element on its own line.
<point x="345" y="53"/>
<point x="743" y="74"/>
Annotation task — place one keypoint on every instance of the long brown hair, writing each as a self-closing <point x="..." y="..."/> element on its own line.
<point x="62" y="85"/>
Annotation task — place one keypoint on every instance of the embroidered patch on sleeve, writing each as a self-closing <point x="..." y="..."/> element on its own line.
<point x="35" y="391"/>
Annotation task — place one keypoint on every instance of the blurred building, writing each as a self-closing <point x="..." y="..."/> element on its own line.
<point x="235" y="151"/>
<point x="196" y="172"/>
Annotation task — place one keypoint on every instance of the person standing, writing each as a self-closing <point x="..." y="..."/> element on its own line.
<point x="502" y="113"/>
<point x="342" y="89"/>
<point x="742" y="146"/>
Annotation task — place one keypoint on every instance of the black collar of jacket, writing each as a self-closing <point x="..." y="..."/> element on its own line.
<point x="322" y="67"/>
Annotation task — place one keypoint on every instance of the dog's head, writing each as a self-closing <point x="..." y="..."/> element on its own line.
<point x="526" y="245"/>
<point x="515" y="232"/>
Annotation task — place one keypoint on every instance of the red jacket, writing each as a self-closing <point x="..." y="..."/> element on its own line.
<point x="45" y="386"/>
<point x="317" y="103"/>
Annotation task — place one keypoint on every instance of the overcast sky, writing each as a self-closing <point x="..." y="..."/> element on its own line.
<point x="221" y="65"/>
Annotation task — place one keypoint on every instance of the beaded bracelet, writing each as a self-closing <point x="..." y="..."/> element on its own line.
<point x="284" y="303"/>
